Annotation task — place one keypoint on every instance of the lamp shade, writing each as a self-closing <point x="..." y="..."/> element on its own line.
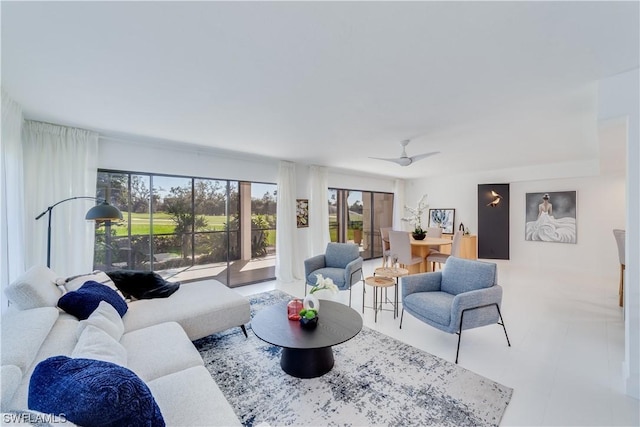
<point x="103" y="212"/>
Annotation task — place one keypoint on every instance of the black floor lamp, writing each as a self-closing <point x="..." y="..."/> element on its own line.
<point x="101" y="212"/>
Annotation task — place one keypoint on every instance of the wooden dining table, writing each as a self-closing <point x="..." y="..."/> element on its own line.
<point x="421" y="248"/>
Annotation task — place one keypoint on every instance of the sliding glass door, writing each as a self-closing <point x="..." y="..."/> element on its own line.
<point x="188" y="228"/>
<point x="357" y="216"/>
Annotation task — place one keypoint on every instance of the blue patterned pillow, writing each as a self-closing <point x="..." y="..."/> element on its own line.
<point x="85" y="300"/>
<point x="92" y="393"/>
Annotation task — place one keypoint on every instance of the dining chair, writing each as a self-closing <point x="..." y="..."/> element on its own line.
<point x="440" y="258"/>
<point x="434" y="232"/>
<point x="620" y="235"/>
<point x="384" y="238"/>
<point x="437" y="233"/>
<point x="400" y="246"/>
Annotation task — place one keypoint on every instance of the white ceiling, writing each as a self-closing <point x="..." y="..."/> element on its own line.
<point x="489" y="84"/>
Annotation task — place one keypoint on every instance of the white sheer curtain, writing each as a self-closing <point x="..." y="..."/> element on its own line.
<point x="318" y="210"/>
<point x="398" y="205"/>
<point x="60" y="162"/>
<point x="288" y="262"/>
<point x="11" y="195"/>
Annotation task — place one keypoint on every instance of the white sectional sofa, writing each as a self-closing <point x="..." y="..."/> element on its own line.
<point x="156" y="337"/>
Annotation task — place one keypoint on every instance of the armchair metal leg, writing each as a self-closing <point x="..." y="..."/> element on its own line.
<point x="503" y="327"/>
<point x="351" y="285"/>
<point x="459" y="338"/>
<point x="401" y="317"/>
<point x="244" y="331"/>
<point x="621" y="287"/>
<point x="501" y="323"/>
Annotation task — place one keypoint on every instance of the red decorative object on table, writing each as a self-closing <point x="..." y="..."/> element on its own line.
<point x="293" y="309"/>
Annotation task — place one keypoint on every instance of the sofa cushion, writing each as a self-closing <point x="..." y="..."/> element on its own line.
<point x="94" y="343"/>
<point x="84" y="301"/>
<point x="10" y="379"/>
<point x="60" y="342"/>
<point x="435" y="306"/>
<point x="74" y="283"/>
<point x="159" y="350"/>
<point x="142" y="284"/>
<point x="104" y="317"/>
<point x="92" y="393"/>
<point x="464" y="275"/>
<point x="192" y="398"/>
<point x="35" y="288"/>
<point x="335" y="274"/>
<point x="23" y="332"/>
<point x="338" y="255"/>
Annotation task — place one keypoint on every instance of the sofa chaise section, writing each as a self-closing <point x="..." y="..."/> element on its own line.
<point x="201" y="308"/>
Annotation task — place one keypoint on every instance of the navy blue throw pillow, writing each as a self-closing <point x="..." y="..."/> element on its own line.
<point x="85" y="300"/>
<point x="92" y="393"/>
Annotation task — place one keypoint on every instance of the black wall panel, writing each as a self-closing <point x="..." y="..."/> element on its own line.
<point x="493" y="222"/>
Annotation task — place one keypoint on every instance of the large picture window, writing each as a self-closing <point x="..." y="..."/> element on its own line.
<point x="188" y="228"/>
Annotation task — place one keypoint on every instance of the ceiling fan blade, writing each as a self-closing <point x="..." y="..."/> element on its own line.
<point x="423" y="156"/>
<point x="405" y="160"/>
<point x="402" y="161"/>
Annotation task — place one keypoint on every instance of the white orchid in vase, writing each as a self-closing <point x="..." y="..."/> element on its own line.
<point x="311" y="302"/>
<point x="324" y="283"/>
<point x="416" y="213"/>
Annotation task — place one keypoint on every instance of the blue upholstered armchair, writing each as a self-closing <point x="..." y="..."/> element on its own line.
<point x="341" y="262"/>
<point x="464" y="295"/>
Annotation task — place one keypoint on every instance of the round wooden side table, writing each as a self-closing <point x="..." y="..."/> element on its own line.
<point x="379" y="282"/>
<point x="395" y="273"/>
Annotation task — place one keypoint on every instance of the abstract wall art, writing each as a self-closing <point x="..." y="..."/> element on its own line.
<point x="443" y="218"/>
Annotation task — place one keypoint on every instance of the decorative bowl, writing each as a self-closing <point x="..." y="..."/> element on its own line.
<point x="308" y="323"/>
<point x="419" y="236"/>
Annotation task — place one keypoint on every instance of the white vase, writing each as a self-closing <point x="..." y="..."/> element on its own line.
<point x="310" y="301"/>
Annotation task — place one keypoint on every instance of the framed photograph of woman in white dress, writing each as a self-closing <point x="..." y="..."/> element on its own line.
<point x="551" y="217"/>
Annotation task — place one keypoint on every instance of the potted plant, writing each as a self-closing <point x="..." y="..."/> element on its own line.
<point x="415" y="218"/>
<point x="357" y="233"/>
<point x="308" y="318"/>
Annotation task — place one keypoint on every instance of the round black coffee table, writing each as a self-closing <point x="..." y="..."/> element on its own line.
<point x="307" y="353"/>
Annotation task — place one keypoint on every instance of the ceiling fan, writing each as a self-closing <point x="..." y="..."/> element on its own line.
<point x="405" y="160"/>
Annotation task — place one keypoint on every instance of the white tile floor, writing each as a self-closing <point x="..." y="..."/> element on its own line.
<point x="567" y="337"/>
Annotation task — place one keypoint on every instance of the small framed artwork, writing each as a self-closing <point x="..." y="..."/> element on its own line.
<point x="443" y="218"/>
<point x="551" y="217"/>
<point x="302" y="212"/>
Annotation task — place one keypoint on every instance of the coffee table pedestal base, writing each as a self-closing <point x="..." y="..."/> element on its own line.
<point x="306" y="363"/>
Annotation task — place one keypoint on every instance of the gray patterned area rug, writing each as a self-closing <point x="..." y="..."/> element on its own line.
<point x="376" y="380"/>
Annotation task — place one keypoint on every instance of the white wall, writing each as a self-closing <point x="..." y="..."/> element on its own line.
<point x="349" y="181"/>
<point x="595" y="219"/>
<point x="600" y="209"/>
<point x="137" y="156"/>
<point x="619" y="97"/>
